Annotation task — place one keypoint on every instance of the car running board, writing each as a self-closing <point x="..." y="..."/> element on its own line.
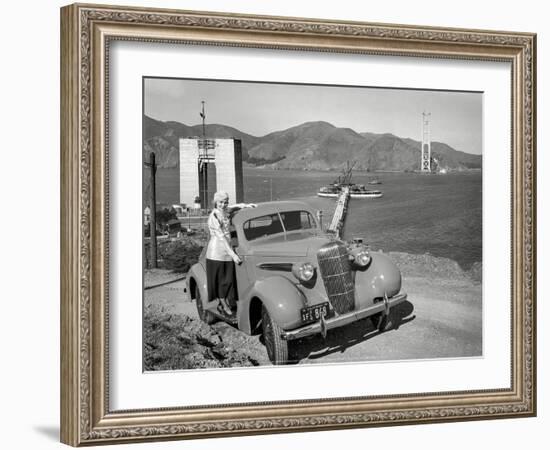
<point x="212" y="307"/>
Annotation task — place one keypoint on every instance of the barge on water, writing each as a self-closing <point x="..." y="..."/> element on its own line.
<point x="355" y="191"/>
<point x="334" y="189"/>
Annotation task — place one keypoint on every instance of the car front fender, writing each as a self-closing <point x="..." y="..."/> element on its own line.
<point x="381" y="277"/>
<point x="281" y="298"/>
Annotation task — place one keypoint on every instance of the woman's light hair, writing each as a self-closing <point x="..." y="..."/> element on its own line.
<point x="219" y="196"/>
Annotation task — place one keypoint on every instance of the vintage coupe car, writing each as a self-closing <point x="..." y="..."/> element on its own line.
<point x="296" y="281"/>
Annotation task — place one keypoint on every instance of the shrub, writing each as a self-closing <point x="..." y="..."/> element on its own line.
<point x="181" y="255"/>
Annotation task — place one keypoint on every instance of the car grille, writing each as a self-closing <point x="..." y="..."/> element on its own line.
<point x="335" y="269"/>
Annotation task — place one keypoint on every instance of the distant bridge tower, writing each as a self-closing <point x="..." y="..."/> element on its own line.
<point x="426" y="156"/>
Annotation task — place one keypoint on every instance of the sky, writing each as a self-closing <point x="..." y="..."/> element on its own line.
<point x="262" y="108"/>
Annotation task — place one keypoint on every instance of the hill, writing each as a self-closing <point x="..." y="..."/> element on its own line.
<point x="163" y="138"/>
<point x="311" y="145"/>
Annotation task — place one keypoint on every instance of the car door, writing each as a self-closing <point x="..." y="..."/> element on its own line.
<point x="243" y="281"/>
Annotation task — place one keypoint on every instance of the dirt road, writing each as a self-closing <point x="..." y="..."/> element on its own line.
<point x="442" y="318"/>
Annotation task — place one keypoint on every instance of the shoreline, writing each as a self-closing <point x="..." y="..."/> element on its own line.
<point x="412" y="265"/>
<point x="361" y="171"/>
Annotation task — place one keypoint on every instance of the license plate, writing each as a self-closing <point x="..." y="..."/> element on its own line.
<point x="314" y="313"/>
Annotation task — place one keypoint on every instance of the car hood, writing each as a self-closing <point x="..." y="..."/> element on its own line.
<point x="293" y="244"/>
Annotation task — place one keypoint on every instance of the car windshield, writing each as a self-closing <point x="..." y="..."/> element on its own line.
<point x="268" y="225"/>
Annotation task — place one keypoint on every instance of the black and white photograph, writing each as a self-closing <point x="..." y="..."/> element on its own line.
<point x="246" y="225"/>
<point x="288" y="224"/>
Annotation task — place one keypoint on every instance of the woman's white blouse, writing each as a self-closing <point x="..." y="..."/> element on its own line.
<point x="220" y="237"/>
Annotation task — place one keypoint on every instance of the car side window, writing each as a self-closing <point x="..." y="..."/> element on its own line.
<point x="297" y="220"/>
<point x="262" y="226"/>
<point x="306" y="220"/>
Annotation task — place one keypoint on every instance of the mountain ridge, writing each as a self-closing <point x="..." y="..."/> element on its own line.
<point x="314" y="145"/>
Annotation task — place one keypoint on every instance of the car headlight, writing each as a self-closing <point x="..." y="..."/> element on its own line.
<point x="303" y="271"/>
<point x="361" y="258"/>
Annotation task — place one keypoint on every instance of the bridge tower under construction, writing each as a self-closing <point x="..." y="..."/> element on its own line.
<point x="426" y="153"/>
<point x="203" y="158"/>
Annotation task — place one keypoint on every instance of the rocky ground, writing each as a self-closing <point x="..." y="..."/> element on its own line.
<point x="442" y="318"/>
<point x="177" y="341"/>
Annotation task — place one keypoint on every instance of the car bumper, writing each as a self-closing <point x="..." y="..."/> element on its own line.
<point x="323" y="325"/>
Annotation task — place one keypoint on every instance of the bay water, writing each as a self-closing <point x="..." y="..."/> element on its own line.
<point x="432" y="214"/>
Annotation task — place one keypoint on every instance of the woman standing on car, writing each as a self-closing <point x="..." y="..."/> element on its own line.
<point x="220" y="257"/>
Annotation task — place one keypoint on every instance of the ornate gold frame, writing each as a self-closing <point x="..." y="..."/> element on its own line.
<point x="86" y="31"/>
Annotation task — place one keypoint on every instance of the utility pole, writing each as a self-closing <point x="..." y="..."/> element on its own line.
<point x="320" y="218"/>
<point x="153" y="222"/>
<point x="203" y="165"/>
<point x="270" y="188"/>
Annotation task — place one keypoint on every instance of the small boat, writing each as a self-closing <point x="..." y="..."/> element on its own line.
<point x="374" y="182"/>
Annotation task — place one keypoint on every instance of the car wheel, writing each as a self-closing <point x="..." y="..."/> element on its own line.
<point x="277" y="347"/>
<point x="205" y="316"/>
